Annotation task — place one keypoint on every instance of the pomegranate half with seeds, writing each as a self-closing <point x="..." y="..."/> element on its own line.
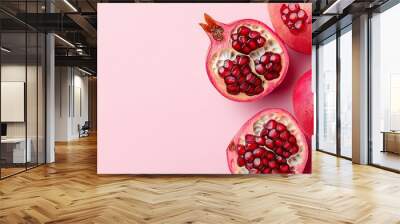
<point x="270" y="142"/>
<point x="293" y="23"/>
<point x="246" y="60"/>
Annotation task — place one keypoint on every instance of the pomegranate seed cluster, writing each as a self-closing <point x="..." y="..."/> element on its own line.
<point x="293" y="16"/>
<point x="238" y="77"/>
<point x="246" y="40"/>
<point x="269" y="65"/>
<point x="268" y="152"/>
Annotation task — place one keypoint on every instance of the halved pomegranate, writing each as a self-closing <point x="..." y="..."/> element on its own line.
<point x="270" y="142"/>
<point x="293" y="23"/>
<point x="246" y="60"/>
<point x="303" y="103"/>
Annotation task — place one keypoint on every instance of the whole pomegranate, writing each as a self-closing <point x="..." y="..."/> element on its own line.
<point x="303" y="103"/>
<point x="270" y="142"/>
<point x="246" y="60"/>
<point x="293" y="22"/>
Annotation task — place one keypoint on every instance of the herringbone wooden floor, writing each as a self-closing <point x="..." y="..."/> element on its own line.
<point x="69" y="191"/>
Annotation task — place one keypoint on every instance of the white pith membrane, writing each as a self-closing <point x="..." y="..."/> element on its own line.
<point x="271" y="45"/>
<point x="258" y="126"/>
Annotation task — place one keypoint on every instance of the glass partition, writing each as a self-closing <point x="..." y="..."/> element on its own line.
<point x="345" y="93"/>
<point x="22" y="91"/>
<point x="385" y="89"/>
<point x="13" y="145"/>
<point x="327" y="96"/>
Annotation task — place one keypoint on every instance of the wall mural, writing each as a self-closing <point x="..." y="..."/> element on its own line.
<point x="256" y="115"/>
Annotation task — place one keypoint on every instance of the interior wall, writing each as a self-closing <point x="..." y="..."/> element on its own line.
<point x="71" y="102"/>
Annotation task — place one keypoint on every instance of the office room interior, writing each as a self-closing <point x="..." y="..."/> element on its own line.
<point x="49" y="126"/>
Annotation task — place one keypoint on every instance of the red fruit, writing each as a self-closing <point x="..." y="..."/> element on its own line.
<point x="286" y="153"/>
<point x="293" y="23"/>
<point x="303" y="103"/>
<point x="235" y="51"/>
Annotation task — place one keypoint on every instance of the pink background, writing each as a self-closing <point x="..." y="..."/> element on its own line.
<point x="157" y="111"/>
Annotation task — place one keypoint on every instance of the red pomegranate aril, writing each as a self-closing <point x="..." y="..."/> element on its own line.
<point x="301" y="14"/>
<point x="275" y="58"/>
<point x="266" y="171"/>
<point x="284" y="168"/>
<point x="229" y="79"/>
<point x="293" y="17"/>
<point x="293" y="7"/>
<point x="233" y="89"/>
<point x="254" y="34"/>
<point x="241" y="149"/>
<point x="271" y="124"/>
<point x="251" y="146"/>
<point x="284" y="135"/>
<point x="278" y="143"/>
<point x="258" y="89"/>
<point x="243" y="30"/>
<point x="279" y="151"/>
<point x="244" y="87"/>
<point x="260" y="140"/>
<point x="250" y="138"/>
<point x="257" y="162"/>
<point x="264" y="132"/>
<point x="273" y="133"/>
<point x="287" y="145"/>
<point x="272" y="164"/>
<point x="286" y="154"/>
<point x="248" y="156"/>
<point x="261" y="41"/>
<point x="258" y="152"/>
<point x="269" y="143"/>
<point x="298" y="24"/>
<point x="270" y="155"/>
<point x="241" y="161"/>
<point x="280" y="127"/>
<point x="294" y="149"/>
<point x="236" y="45"/>
<point x="292" y="139"/>
<point x="280" y="160"/>
<point x="246" y="70"/>
<point x="264" y="161"/>
<point x="252" y="44"/>
<point x="260" y="69"/>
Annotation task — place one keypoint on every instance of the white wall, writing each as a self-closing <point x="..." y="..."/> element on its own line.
<point x="71" y="102"/>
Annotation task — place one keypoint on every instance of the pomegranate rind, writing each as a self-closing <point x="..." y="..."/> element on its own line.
<point x="247" y="128"/>
<point x="300" y="42"/>
<point x="303" y="103"/>
<point x="214" y="48"/>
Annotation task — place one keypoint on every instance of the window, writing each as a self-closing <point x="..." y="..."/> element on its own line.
<point x="385" y="89"/>
<point x="345" y="93"/>
<point x="327" y="96"/>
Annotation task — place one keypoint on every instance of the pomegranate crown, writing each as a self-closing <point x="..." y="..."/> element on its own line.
<point x="212" y="28"/>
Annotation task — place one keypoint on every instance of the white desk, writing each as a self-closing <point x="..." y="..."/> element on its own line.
<point x="18" y="149"/>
